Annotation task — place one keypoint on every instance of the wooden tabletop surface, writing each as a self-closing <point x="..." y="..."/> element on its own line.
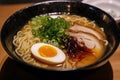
<point x="7" y="10"/>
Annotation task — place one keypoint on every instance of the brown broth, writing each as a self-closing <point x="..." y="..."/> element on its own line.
<point x="85" y="46"/>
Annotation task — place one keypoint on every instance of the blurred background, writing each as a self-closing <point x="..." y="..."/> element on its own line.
<point x="19" y="1"/>
<point x="28" y="1"/>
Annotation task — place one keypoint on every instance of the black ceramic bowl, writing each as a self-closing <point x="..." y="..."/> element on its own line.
<point x="15" y="22"/>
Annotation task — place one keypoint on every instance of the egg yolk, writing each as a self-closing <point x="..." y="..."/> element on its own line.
<point x="47" y="51"/>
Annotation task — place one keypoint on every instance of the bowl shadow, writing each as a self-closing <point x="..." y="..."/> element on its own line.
<point x="11" y="70"/>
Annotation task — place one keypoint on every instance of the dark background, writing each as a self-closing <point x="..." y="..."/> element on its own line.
<point x="28" y="1"/>
<point x="19" y="1"/>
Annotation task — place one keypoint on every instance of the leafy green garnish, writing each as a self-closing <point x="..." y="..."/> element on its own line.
<point x="49" y="29"/>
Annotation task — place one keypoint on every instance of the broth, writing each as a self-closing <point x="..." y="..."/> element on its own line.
<point x="81" y="40"/>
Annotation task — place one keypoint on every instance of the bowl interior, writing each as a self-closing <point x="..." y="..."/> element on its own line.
<point x="21" y="17"/>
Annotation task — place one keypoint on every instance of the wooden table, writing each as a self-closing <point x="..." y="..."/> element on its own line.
<point x="7" y="10"/>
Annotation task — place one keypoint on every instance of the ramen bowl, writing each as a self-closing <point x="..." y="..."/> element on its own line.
<point x="16" y="21"/>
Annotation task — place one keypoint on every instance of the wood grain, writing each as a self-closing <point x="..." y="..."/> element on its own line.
<point x="7" y="10"/>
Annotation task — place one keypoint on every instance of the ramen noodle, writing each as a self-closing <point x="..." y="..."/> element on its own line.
<point x="85" y="35"/>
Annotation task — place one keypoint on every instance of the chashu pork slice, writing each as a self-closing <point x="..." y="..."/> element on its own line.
<point x="96" y="32"/>
<point x="90" y="41"/>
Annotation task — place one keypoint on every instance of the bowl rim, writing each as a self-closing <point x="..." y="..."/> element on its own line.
<point x="97" y="3"/>
<point x="81" y="68"/>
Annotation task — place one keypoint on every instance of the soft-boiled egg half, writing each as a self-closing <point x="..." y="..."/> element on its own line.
<point x="47" y="53"/>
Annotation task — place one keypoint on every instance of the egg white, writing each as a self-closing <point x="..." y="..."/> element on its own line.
<point x="59" y="58"/>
